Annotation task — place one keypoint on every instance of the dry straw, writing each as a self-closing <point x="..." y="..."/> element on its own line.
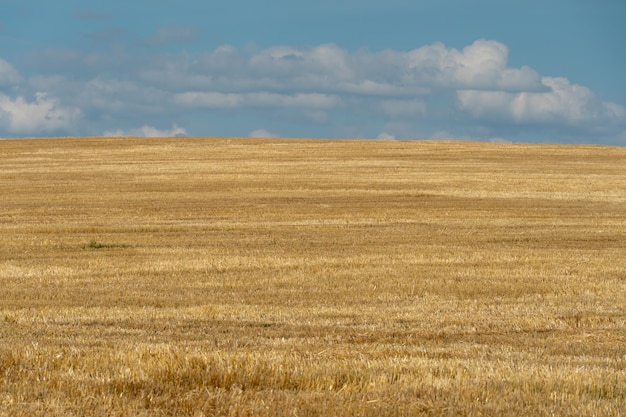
<point x="308" y="277"/>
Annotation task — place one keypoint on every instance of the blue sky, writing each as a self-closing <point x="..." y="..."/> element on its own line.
<point x="523" y="71"/>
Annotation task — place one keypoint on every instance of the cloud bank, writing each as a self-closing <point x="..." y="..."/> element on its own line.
<point x="322" y="90"/>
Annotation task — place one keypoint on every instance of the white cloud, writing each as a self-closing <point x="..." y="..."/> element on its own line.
<point x="304" y="65"/>
<point x="148" y="132"/>
<point x="325" y="88"/>
<point x="108" y="98"/>
<point x="228" y="78"/>
<point x="262" y="133"/>
<point x="8" y="75"/>
<point x="481" y="65"/>
<point x="44" y="115"/>
<point x="565" y="103"/>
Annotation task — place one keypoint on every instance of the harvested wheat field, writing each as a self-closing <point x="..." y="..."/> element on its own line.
<point x="244" y="277"/>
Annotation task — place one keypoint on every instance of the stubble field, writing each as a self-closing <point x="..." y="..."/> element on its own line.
<point x="245" y="277"/>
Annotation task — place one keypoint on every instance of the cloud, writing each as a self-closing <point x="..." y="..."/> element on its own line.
<point x="482" y="65"/>
<point x="262" y="133"/>
<point x="305" y="64"/>
<point x="43" y="115"/>
<point x="8" y="74"/>
<point x="330" y="69"/>
<point x="264" y="99"/>
<point x="146" y="131"/>
<point x="324" y="69"/>
<point x="110" y="99"/>
<point x="563" y="103"/>
<point x="322" y="90"/>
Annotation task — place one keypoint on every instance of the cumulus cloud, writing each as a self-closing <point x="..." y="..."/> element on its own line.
<point x="43" y="115"/>
<point x="481" y="65"/>
<point x="386" y="136"/>
<point x="229" y="76"/>
<point x="304" y="65"/>
<point x="146" y="131"/>
<point x="330" y="68"/>
<point x="564" y="102"/>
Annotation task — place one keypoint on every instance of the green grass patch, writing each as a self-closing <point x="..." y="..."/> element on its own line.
<point x="94" y="245"/>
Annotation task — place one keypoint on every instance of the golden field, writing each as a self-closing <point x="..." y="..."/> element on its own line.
<point x="244" y="277"/>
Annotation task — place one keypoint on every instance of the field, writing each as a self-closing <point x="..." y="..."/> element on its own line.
<point x="240" y="277"/>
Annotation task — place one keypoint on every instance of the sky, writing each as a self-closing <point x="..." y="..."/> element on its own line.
<point x="537" y="71"/>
